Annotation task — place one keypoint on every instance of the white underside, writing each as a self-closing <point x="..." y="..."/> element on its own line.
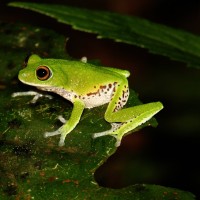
<point x="101" y="97"/>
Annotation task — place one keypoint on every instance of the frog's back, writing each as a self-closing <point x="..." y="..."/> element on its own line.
<point x="92" y="84"/>
<point x="123" y="72"/>
<point x="92" y="67"/>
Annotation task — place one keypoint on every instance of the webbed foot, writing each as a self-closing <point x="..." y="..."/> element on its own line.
<point x="111" y="132"/>
<point x="57" y="132"/>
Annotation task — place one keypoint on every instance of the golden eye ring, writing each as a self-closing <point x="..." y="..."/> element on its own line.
<point x="43" y="73"/>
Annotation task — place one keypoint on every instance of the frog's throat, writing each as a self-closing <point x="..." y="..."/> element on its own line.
<point x="60" y="91"/>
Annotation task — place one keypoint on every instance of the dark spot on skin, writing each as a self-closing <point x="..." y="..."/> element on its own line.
<point x="92" y="93"/>
<point x="102" y="87"/>
<point x="123" y="94"/>
<point x="110" y="85"/>
<point x="114" y="89"/>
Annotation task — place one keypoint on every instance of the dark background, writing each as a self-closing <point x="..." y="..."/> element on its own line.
<point x="169" y="154"/>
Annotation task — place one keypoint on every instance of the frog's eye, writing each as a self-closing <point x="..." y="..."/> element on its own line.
<point x="43" y="73"/>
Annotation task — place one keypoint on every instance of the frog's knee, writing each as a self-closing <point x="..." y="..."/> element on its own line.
<point x="108" y="118"/>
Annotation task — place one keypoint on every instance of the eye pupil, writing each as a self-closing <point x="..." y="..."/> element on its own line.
<point x="43" y="73"/>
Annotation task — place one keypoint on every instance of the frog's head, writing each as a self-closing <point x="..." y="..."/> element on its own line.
<point x="42" y="73"/>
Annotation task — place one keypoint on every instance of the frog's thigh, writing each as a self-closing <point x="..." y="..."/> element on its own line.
<point x="139" y="114"/>
<point x="142" y="114"/>
<point x="127" y="127"/>
<point x="118" y="100"/>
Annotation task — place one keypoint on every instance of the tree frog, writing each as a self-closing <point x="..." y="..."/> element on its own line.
<point x="87" y="86"/>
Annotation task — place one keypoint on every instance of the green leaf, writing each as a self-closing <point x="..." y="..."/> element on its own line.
<point x="33" y="167"/>
<point x="159" y="39"/>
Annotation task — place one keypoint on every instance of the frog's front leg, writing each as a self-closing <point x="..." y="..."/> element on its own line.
<point x="125" y="120"/>
<point x="70" y="124"/>
<point x="36" y="95"/>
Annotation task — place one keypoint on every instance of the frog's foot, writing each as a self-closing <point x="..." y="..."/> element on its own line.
<point x="31" y="93"/>
<point x="57" y="132"/>
<point x="50" y="134"/>
<point x="115" y="126"/>
<point x="60" y="132"/>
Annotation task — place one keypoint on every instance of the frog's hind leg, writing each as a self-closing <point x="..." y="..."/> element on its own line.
<point x="125" y="120"/>
<point x="49" y="134"/>
<point x="140" y="114"/>
<point x="114" y="127"/>
<point x="118" y="130"/>
<point x="111" y="132"/>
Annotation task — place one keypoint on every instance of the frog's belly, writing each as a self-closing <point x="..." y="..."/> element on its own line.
<point x="99" y="97"/>
<point x="96" y="99"/>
